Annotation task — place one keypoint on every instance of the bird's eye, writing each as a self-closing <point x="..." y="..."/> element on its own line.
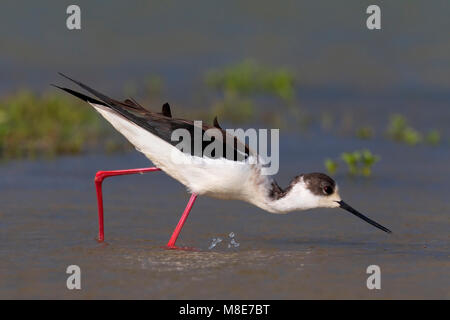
<point x="328" y="190"/>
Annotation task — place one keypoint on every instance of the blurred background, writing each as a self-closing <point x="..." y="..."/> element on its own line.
<point x="369" y="107"/>
<point x="300" y="65"/>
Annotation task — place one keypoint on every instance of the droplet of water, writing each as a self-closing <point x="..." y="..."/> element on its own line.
<point x="233" y="244"/>
<point x="214" y="242"/>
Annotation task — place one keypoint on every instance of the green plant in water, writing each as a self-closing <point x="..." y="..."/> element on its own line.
<point x="351" y="159"/>
<point x="360" y="162"/>
<point x="331" y="166"/>
<point x="368" y="160"/>
<point x="400" y="131"/>
<point x="365" y="133"/>
<point x="433" y="137"/>
<point x="248" y="78"/>
<point x="48" y="124"/>
<point x="397" y="125"/>
<point x="411" y="136"/>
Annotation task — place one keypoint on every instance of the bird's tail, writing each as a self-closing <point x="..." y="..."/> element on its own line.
<point x="131" y="111"/>
<point x="80" y="95"/>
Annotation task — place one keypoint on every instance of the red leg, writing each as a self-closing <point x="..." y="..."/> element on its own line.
<point x="176" y="232"/>
<point x="99" y="177"/>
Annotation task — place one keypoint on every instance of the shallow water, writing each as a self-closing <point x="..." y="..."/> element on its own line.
<point x="48" y="221"/>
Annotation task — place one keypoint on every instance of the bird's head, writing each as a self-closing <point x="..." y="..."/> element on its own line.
<point x="318" y="190"/>
<point x="321" y="189"/>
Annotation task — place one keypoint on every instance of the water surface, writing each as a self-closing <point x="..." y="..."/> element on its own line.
<point x="49" y="221"/>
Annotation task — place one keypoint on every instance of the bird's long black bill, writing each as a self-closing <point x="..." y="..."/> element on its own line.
<point x="345" y="206"/>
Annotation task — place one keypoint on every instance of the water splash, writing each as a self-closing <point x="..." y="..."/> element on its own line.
<point x="233" y="243"/>
<point x="214" y="243"/>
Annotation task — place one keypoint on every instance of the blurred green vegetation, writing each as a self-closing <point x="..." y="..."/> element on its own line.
<point x="331" y="166"/>
<point x="49" y="124"/>
<point x="433" y="137"/>
<point x="365" y="132"/>
<point x="399" y="130"/>
<point x="55" y="123"/>
<point x="359" y="163"/>
<point x="248" y="77"/>
<point x="240" y="84"/>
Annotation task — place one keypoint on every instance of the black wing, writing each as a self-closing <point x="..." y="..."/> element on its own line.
<point x="163" y="125"/>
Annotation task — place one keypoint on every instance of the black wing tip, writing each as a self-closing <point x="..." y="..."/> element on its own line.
<point x="78" y="95"/>
<point x="54" y="85"/>
<point x="61" y="88"/>
<point x="73" y="80"/>
<point x="69" y="78"/>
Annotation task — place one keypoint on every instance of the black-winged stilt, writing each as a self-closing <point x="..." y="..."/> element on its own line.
<point x="224" y="177"/>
